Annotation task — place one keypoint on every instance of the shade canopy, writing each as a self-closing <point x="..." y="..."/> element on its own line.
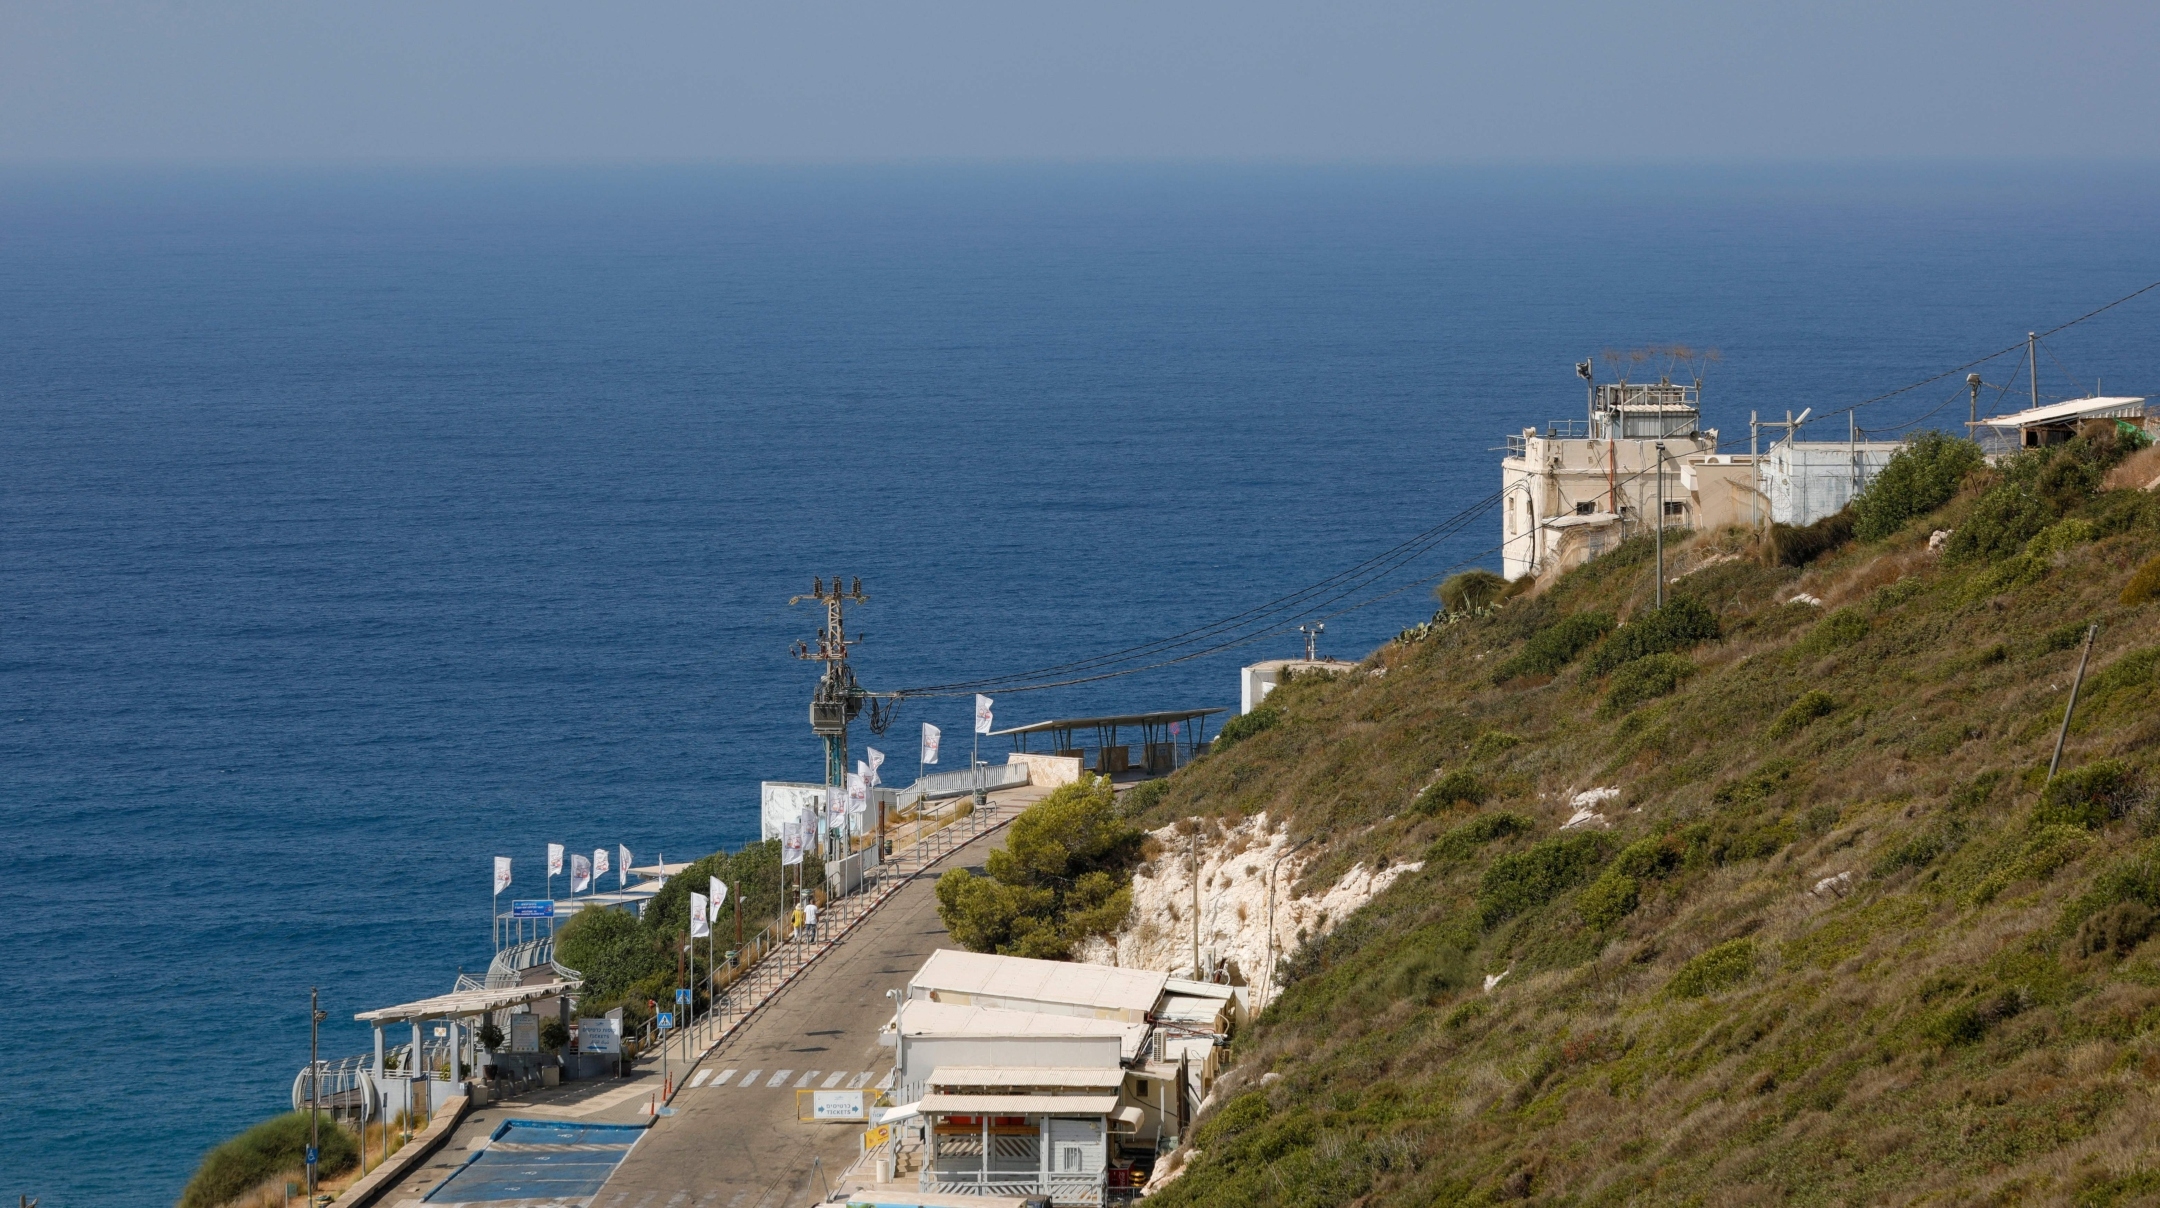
<point x="1019" y="1105"/>
<point x="467" y="1002"/>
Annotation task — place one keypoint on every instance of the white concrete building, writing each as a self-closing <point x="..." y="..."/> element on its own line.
<point x="1259" y="679"/>
<point x="1804" y="481"/>
<point x="1581" y="486"/>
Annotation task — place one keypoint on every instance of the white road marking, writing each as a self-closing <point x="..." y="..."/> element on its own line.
<point x="861" y="1080"/>
<point x="779" y="1076"/>
<point x="805" y="1079"/>
<point x="750" y="1079"/>
<point x="885" y="1083"/>
<point x="724" y="1076"/>
<point x="699" y="1081"/>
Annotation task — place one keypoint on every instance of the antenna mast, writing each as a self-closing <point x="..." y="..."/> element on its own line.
<point x="838" y="698"/>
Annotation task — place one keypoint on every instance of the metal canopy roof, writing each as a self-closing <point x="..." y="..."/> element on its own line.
<point x="982" y="975"/>
<point x="1061" y="1077"/>
<point x="466" y="1002"/>
<point x="1122" y="719"/>
<point x="1018" y="1105"/>
<point x="2103" y="407"/>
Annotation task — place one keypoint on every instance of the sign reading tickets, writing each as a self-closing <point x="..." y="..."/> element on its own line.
<point x="839" y="1105"/>
<point x="599" y="1035"/>
<point x="524" y="1033"/>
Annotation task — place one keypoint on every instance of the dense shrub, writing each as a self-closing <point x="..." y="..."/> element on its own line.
<point x="1555" y="646"/>
<point x="1798" y="546"/>
<point x="1721" y="968"/>
<point x="277" y="1146"/>
<point x="1245" y="725"/>
<point x="2060" y="536"/>
<point x="1527" y="879"/>
<point x="1644" y="679"/>
<point x="2116" y="930"/>
<point x="1922" y="477"/>
<point x="1459" y="787"/>
<point x="1464" y="840"/>
<point x="1142" y="797"/>
<point x="1063" y="875"/>
<point x="1812" y="705"/>
<point x="612" y="949"/>
<point x="1492" y="744"/>
<point x="1999" y="524"/>
<point x="1834" y="632"/>
<point x="2144" y="586"/>
<point x="1609" y="899"/>
<point x="2091" y="796"/>
<point x="1681" y="623"/>
<point x="1470" y="591"/>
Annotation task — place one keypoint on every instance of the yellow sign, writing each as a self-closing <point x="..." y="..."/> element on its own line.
<point x="877" y="1136"/>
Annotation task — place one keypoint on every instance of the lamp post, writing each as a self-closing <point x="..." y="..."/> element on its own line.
<point x="314" y="1144"/>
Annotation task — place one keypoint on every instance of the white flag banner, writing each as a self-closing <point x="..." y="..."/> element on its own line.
<point x="877" y="760"/>
<point x="700" y="916"/>
<point x="858" y="793"/>
<point x="580" y="874"/>
<point x="554" y="859"/>
<point x="599" y="863"/>
<point x="929" y="743"/>
<point x="791" y="843"/>
<point x="982" y="714"/>
<point x="813" y="824"/>
<point x="718" y="895"/>
<point x="502" y="873"/>
<point x="622" y="867"/>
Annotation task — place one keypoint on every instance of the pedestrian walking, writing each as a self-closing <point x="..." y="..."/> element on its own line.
<point x="797" y="921"/>
<point x="809" y="914"/>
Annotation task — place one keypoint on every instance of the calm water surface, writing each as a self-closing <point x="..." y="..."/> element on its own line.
<point x="357" y="528"/>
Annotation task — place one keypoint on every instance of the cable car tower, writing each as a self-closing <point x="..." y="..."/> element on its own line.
<point x="838" y="698"/>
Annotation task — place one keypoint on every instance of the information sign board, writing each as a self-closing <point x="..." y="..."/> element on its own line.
<point x="540" y="908"/>
<point x="600" y="1035"/>
<point x="525" y="1033"/>
<point x="834" y="1105"/>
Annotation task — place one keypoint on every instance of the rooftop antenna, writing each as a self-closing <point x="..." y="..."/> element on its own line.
<point x="1312" y="640"/>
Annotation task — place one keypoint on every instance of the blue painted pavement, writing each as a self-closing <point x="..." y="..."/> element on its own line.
<point x="535" y="1161"/>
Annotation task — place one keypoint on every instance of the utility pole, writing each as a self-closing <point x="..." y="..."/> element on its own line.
<point x="838" y="698"/>
<point x="314" y="1129"/>
<point x="1754" y="452"/>
<point x="2032" y="362"/>
<point x="1196" y="900"/>
<point x="1661" y="524"/>
<point x="2091" y="631"/>
<point x="1972" y="382"/>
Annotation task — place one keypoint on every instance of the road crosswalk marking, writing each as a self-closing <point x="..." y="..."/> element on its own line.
<point x="699" y="1081"/>
<point x="861" y="1080"/>
<point x="750" y="1079"/>
<point x="804" y="1081"/>
<point x="834" y="1081"/>
<point x="724" y="1076"/>
<point x="779" y="1077"/>
<point x="885" y="1083"/>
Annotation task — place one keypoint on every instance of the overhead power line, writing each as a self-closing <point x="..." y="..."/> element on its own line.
<point x="1313" y="601"/>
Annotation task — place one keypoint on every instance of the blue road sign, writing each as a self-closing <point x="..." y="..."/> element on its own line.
<point x="666" y="1020"/>
<point x="682" y="994"/>
<point x="543" y="908"/>
<point x="310" y="1155"/>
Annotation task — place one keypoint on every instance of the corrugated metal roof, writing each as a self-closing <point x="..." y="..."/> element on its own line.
<point x="1018" y="1105"/>
<point x="1016" y="977"/>
<point x="466" y="1002"/>
<point x="2103" y="407"/>
<point x="928" y="1018"/>
<point x="1179" y="1008"/>
<point x="1049" y="1076"/>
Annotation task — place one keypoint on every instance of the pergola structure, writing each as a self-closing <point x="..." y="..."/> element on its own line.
<point x="1023" y="1132"/>
<point x="1064" y="736"/>
<point x="455" y="1009"/>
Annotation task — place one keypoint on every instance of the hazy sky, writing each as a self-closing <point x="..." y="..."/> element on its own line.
<point x="538" y="80"/>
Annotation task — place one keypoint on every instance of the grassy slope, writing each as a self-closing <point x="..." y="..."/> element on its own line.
<point x="1934" y="1034"/>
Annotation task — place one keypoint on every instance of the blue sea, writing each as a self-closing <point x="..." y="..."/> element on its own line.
<point x="359" y="527"/>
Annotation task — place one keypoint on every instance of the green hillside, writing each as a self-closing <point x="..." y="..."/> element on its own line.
<point x="1964" y="1013"/>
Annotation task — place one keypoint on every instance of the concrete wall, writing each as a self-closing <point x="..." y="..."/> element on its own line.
<point x="1047" y="771"/>
<point x="1556" y="474"/>
<point x="1809" y="480"/>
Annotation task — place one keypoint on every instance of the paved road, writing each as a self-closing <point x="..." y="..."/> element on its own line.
<point x="731" y="1147"/>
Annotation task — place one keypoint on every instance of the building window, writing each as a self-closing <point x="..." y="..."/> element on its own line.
<point x="1584" y="509"/>
<point x="1674" y="507"/>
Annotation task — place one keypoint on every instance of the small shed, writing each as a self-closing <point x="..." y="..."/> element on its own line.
<point x="2057" y="423"/>
<point x="1004" y="1131"/>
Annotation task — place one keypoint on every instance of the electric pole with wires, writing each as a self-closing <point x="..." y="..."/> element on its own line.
<point x="838" y="698"/>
